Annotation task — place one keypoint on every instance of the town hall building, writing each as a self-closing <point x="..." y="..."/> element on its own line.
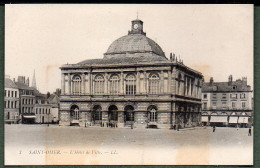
<point x="133" y="84"/>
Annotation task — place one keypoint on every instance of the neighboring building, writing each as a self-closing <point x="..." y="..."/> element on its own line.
<point x="54" y="101"/>
<point x="227" y="103"/>
<point x="11" y="102"/>
<point x="133" y="83"/>
<point x="43" y="112"/>
<point x="27" y="100"/>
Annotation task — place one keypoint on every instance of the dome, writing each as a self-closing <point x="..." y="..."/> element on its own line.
<point x="134" y="43"/>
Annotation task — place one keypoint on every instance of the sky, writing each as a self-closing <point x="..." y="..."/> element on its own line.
<point x="216" y="40"/>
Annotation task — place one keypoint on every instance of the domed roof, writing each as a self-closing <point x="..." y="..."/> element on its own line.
<point x="134" y="43"/>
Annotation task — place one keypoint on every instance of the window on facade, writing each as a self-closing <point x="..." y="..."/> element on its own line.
<point x="130" y="84"/>
<point x="214" y="96"/>
<point x="243" y="104"/>
<point x="49" y="111"/>
<point x="214" y="103"/>
<point x="8" y="104"/>
<point x="99" y="83"/>
<point x="15" y="104"/>
<point x="8" y="93"/>
<point x="152" y="114"/>
<point x="5" y="93"/>
<point x="224" y="96"/>
<point x="76" y="85"/>
<point x="233" y="105"/>
<point x="154" y="84"/>
<point x="204" y="105"/>
<point x="97" y="113"/>
<point x="36" y="111"/>
<point x="205" y="96"/>
<point x="179" y="83"/>
<point x="5" y="104"/>
<point x="40" y="111"/>
<point x="234" y="87"/>
<point x="12" y="94"/>
<point x="114" y="84"/>
<point x="15" y="93"/>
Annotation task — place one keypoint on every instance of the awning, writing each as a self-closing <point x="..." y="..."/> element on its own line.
<point x="243" y="120"/>
<point x="204" y="118"/>
<point x="233" y="120"/>
<point x="29" y="116"/>
<point x="217" y="119"/>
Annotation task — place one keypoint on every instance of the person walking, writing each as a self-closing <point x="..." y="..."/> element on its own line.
<point x="249" y="132"/>
<point x="214" y="128"/>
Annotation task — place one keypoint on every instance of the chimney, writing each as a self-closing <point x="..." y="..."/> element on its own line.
<point x="230" y="79"/>
<point x="170" y="56"/>
<point x="27" y="81"/>
<point x="244" y="79"/>
<point x="21" y="79"/>
<point x="211" y="81"/>
<point x="173" y="57"/>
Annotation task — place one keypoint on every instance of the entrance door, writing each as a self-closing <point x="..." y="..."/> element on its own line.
<point x="112" y="115"/>
<point x="129" y="115"/>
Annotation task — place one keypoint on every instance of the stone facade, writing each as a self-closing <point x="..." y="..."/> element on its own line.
<point x="227" y="103"/>
<point x="134" y="84"/>
<point x="11" y="102"/>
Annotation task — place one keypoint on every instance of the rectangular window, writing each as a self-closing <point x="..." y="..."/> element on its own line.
<point x="243" y="104"/>
<point x="233" y="105"/>
<point x="8" y="93"/>
<point x="205" y="96"/>
<point x="224" y="96"/>
<point x="204" y="105"/>
<point x="214" y="96"/>
<point x="15" y="93"/>
<point x="12" y="94"/>
<point x="214" y="103"/>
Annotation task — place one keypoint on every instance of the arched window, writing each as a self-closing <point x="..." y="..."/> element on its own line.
<point x="154" y="84"/>
<point x="76" y="85"/>
<point x="99" y="83"/>
<point x="130" y="84"/>
<point x="114" y="84"/>
<point x="74" y="112"/>
<point x="152" y="113"/>
<point x="97" y="113"/>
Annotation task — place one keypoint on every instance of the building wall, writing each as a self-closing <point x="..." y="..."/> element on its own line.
<point x="43" y="113"/>
<point x="11" y="105"/>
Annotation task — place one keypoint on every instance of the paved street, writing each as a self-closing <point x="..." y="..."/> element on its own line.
<point x="40" y="144"/>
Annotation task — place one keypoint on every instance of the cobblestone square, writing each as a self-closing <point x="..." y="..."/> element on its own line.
<point x="40" y="144"/>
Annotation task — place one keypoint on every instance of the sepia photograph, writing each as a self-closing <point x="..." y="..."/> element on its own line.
<point x="121" y="84"/>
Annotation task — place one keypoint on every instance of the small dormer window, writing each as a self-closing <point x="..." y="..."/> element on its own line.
<point x="234" y="87"/>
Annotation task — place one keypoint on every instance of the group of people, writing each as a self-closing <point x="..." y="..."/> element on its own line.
<point x="249" y="130"/>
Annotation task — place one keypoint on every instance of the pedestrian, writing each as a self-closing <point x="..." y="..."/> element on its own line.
<point x="214" y="128"/>
<point x="249" y="132"/>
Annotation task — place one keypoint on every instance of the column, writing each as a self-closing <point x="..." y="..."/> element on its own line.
<point x="122" y="83"/>
<point x="106" y="83"/>
<point x="138" y="83"/>
<point x="62" y="83"/>
<point x="69" y="78"/>
<point x="169" y="81"/>
<point x="83" y="84"/>
<point x="145" y="83"/>
<point x="161" y="82"/>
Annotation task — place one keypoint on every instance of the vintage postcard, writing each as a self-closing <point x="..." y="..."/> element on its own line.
<point x="128" y="84"/>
